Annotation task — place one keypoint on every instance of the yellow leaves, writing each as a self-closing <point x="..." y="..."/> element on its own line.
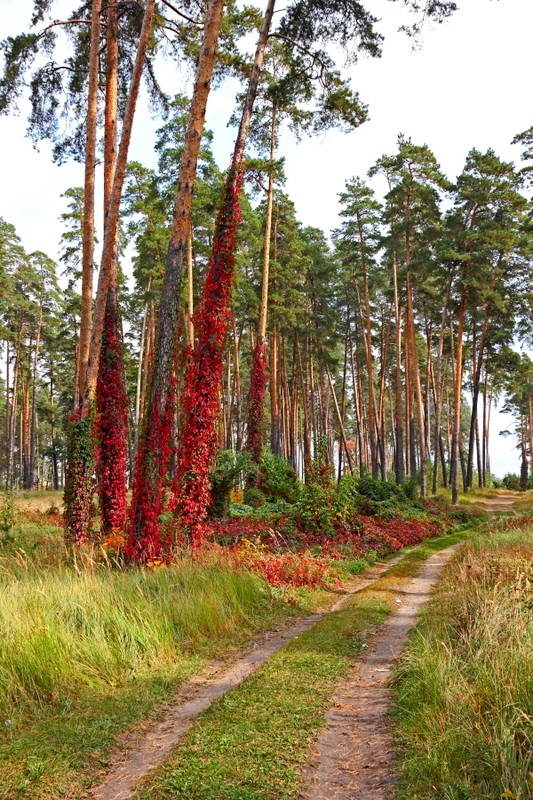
<point x="115" y="541"/>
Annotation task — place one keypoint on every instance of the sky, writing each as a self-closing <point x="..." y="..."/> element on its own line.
<point x="466" y="85"/>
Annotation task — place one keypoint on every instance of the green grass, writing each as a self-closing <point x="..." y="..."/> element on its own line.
<point x="524" y="501"/>
<point x="473" y="495"/>
<point x="87" y="651"/>
<point x="464" y="689"/>
<point x="252" y="743"/>
<point x="84" y="653"/>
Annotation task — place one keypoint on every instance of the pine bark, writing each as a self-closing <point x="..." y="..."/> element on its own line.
<point x="191" y="490"/>
<point x="258" y="377"/>
<point x="107" y="262"/>
<point x="458" y="384"/>
<point x="154" y="447"/>
<point x="87" y="268"/>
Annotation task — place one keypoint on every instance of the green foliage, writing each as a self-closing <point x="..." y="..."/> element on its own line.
<point x="277" y="478"/>
<point x="254" y="497"/>
<point x="7" y="516"/>
<point x="378" y="490"/>
<point x="225" y="476"/>
<point x="314" y="511"/>
<point x="511" y="481"/>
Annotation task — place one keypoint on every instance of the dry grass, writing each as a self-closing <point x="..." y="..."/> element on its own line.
<point x="464" y="690"/>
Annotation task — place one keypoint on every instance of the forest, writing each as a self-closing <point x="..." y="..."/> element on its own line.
<point x="206" y="390"/>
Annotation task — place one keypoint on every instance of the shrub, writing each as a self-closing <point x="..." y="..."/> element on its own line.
<point x="315" y="510"/>
<point x="511" y="481"/>
<point x="254" y="497"/>
<point x="277" y="479"/>
<point x="7" y="515"/>
<point x="224" y="477"/>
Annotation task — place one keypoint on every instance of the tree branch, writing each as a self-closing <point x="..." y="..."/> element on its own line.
<point x="181" y="14"/>
<point x="63" y="22"/>
<point x="314" y="56"/>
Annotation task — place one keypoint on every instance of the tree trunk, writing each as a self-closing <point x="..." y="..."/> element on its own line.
<point x="107" y="262"/>
<point x="153" y="452"/>
<point x="399" y="428"/>
<point x="25" y="432"/>
<point x="33" y="429"/>
<point x="417" y="388"/>
<point x="78" y="488"/>
<point x="438" y="389"/>
<point x="191" y="489"/>
<point x="112" y="402"/>
<point x="340" y="421"/>
<point x="258" y="377"/>
<point x="87" y="268"/>
<point x="458" y="384"/>
<point x="13" y="412"/>
<point x="111" y="427"/>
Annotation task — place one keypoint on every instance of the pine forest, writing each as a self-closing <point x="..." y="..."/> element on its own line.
<point x="213" y="415"/>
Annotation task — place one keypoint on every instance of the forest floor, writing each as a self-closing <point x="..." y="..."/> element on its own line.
<point x="275" y="694"/>
<point x="354" y="753"/>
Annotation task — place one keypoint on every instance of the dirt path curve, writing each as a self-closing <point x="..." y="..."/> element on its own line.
<point x="502" y="502"/>
<point x="354" y="759"/>
<point x="141" y="754"/>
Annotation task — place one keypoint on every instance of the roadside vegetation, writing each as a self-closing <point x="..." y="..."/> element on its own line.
<point x="279" y="711"/>
<point x="89" y="646"/>
<point x="464" y="689"/>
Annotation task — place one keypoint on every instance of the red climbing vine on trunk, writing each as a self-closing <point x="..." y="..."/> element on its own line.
<point x="201" y="401"/>
<point x="148" y="503"/>
<point x="111" y="426"/>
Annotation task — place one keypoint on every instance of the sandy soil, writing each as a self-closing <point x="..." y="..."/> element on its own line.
<point x="500" y="503"/>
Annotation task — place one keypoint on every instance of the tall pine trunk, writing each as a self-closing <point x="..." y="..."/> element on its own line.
<point x="80" y="445"/>
<point x="191" y="489"/>
<point x="399" y="465"/>
<point x="258" y="377"/>
<point x="154" y="446"/>
<point x="458" y="385"/>
<point x="112" y="404"/>
<point x="87" y="268"/>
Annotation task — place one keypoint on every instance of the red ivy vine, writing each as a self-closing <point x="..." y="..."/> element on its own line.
<point x="144" y="540"/>
<point x="111" y="425"/>
<point x="203" y="376"/>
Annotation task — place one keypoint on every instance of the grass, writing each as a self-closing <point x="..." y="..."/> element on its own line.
<point x="85" y="653"/>
<point x="278" y="711"/>
<point x="464" y="689"/>
<point x="475" y="495"/>
<point x="88" y="651"/>
<point x="524" y="501"/>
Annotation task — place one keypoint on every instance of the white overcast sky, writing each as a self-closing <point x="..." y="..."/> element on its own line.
<point x="468" y="85"/>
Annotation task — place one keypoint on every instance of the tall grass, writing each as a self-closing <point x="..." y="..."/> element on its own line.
<point x="66" y="632"/>
<point x="464" y="689"/>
